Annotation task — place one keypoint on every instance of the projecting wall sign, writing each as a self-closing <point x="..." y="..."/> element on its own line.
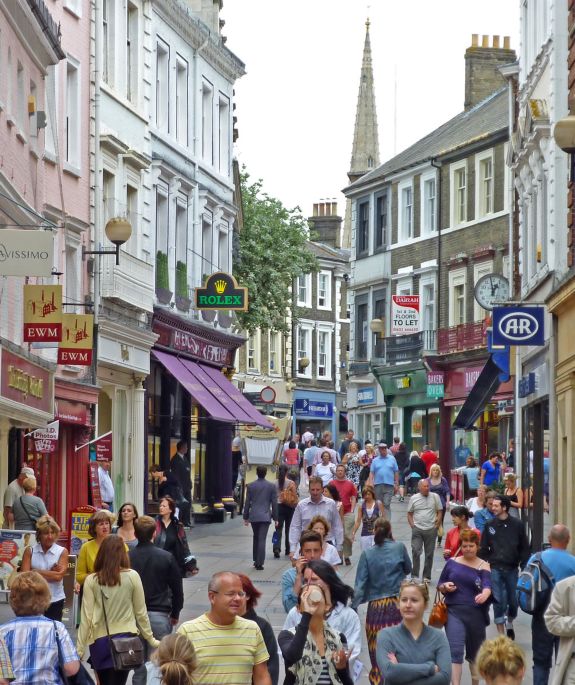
<point x="221" y="291"/>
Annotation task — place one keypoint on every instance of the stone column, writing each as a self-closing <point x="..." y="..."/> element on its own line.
<point x="138" y="470"/>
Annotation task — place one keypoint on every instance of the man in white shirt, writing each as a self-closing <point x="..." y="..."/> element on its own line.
<point x="12" y="492"/>
<point x="106" y="485"/>
<point x="316" y="505"/>
<point x="423" y="515"/>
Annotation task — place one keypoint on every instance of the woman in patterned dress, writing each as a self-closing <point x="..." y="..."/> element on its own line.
<point x="353" y="463"/>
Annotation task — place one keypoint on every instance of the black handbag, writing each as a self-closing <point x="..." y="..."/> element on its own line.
<point x="80" y="678"/>
<point x="127" y="652"/>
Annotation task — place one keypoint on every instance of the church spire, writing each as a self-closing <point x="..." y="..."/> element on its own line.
<point x="365" y="150"/>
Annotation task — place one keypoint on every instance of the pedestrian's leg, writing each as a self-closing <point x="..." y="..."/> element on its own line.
<point x="288" y="518"/>
<point x="372" y="628"/>
<point x="416" y="547"/>
<point x="348" y="523"/>
<point x="379" y="492"/>
<point x="255" y="543"/>
<point x="262" y="536"/>
<point x="542" y="645"/>
<point x="161" y="626"/>
<point x="279" y="529"/>
<point x="455" y="633"/>
<point x="499" y="598"/>
<point x="429" y="537"/>
<point x="512" y="606"/>
<point x="386" y="500"/>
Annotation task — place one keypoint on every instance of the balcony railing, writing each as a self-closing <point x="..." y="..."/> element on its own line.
<point x="466" y="336"/>
<point x="130" y="282"/>
<point x="399" y="349"/>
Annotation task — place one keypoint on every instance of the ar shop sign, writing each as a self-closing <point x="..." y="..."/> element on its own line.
<point x="404" y="314"/>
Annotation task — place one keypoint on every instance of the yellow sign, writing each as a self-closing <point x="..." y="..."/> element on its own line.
<point x="42" y="313"/>
<point x="77" y="339"/>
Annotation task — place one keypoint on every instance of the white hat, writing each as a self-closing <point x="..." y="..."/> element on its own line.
<point x="28" y="471"/>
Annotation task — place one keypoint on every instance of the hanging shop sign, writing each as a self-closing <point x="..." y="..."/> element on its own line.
<point x="71" y="412"/>
<point x="42" y="313"/>
<point x="24" y="382"/>
<point x="94" y="483"/>
<point x="518" y="326"/>
<point x="26" y="252"/>
<point x="221" y="291"/>
<point x="46" y="439"/>
<point x="435" y="384"/>
<point x="77" y="339"/>
<point x="101" y="446"/>
<point x="404" y="314"/>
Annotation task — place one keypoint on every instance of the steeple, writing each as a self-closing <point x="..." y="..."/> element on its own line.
<point x="365" y="150"/>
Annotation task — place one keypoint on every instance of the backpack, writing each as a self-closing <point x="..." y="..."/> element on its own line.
<point x="535" y="585"/>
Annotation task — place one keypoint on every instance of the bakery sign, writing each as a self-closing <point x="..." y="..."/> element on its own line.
<point x="221" y="291"/>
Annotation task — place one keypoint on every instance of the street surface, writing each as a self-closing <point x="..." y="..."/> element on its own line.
<point x="228" y="546"/>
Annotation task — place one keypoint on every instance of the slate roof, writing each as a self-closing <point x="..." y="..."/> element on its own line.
<point x="323" y="251"/>
<point x="479" y="122"/>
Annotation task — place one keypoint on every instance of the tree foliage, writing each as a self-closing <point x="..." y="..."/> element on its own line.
<point x="273" y="252"/>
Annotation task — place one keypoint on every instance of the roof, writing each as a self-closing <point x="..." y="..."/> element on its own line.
<point x="323" y="251"/>
<point x="479" y="122"/>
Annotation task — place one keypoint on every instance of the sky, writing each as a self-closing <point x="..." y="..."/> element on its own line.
<point x="296" y="103"/>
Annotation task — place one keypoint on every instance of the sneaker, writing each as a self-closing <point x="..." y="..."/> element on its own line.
<point x="347" y="561"/>
<point x="511" y="633"/>
<point x="276" y="554"/>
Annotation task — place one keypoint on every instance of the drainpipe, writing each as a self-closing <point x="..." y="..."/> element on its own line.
<point x="97" y="227"/>
<point x="438" y="165"/>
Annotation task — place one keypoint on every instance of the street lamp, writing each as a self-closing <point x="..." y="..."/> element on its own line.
<point x="377" y="326"/>
<point x="118" y="231"/>
<point x="302" y="364"/>
<point x="564" y="134"/>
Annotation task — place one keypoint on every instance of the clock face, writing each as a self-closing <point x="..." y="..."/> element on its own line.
<point x="491" y="289"/>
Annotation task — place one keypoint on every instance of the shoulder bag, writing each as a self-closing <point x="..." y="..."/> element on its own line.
<point x="127" y="652"/>
<point x="31" y="518"/>
<point x="438" y="614"/>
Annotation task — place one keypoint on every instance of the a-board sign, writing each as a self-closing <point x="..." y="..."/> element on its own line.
<point x="78" y="527"/>
<point x="12" y="546"/>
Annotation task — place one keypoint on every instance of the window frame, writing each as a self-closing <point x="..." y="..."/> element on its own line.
<point x="454" y="172"/>
<point x="405" y="227"/>
<point x="327" y="303"/>
<point x="428" y="218"/>
<point x="481" y="210"/>
<point x="307" y="352"/>
<point x="381" y="231"/>
<point x="328" y="333"/>
<point x="277" y="351"/>
<point x="480" y="269"/>
<point x="457" y="277"/>
<point x="362" y="241"/>
<point x="254" y="338"/>
<point x="307" y="286"/>
<point x="162" y="109"/>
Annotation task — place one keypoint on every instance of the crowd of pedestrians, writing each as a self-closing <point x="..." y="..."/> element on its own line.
<point x="130" y="580"/>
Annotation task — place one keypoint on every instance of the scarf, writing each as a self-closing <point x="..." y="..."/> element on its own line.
<point x="307" y="670"/>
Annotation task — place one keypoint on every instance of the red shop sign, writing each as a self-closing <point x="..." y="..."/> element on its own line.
<point x="71" y="412"/>
<point x="25" y="382"/>
<point x="461" y="380"/>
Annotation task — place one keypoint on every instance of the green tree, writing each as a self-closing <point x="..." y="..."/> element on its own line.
<point x="273" y="252"/>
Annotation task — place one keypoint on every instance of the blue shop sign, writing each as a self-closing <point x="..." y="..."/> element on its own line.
<point x="313" y="409"/>
<point x="366" y="396"/>
<point x="527" y="385"/>
<point x="518" y="326"/>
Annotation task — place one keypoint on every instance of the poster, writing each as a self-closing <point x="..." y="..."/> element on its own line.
<point x="94" y="484"/>
<point x="404" y="314"/>
<point x="78" y="527"/>
<point x="12" y="546"/>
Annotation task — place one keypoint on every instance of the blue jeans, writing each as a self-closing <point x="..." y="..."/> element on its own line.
<point x="161" y="626"/>
<point x="504" y="586"/>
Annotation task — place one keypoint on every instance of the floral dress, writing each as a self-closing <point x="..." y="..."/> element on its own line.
<point x="353" y="468"/>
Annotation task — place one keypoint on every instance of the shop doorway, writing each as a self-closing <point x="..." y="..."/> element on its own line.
<point x="535" y="470"/>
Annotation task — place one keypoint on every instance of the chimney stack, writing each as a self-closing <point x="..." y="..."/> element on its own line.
<point x="326" y="223"/>
<point x="482" y="77"/>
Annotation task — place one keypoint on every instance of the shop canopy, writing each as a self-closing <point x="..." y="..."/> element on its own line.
<point x="212" y="390"/>
<point x="480" y="395"/>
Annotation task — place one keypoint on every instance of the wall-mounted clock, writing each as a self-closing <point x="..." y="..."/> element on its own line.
<point x="491" y="288"/>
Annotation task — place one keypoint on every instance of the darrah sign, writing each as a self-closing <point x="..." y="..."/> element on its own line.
<point x="185" y="341"/>
<point x="221" y="291"/>
<point x="25" y="382"/>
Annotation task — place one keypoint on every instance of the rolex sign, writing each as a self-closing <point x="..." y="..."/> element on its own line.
<point x="221" y="291"/>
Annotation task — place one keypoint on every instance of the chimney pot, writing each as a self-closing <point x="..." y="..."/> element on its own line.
<point x="506" y="42"/>
<point x="485" y="41"/>
<point x="495" y="41"/>
<point x="474" y="40"/>
<point x="315" y="209"/>
<point x="334" y="208"/>
<point x="321" y="209"/>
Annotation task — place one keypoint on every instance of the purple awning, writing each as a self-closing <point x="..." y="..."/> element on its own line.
<point x="234" y="394"/>
<point x="196" y="389"/>
<point x="210" y="388"/>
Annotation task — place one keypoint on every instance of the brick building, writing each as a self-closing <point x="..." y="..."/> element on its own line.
<point x="429" y="223"/>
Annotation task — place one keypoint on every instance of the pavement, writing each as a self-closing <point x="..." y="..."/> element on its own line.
<point x="228" y="546"/>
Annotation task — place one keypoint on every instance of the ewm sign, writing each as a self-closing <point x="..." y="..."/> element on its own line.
<point x="518" y="326"/>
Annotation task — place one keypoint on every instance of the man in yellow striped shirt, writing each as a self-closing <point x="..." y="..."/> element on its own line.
<point x="230" y="650"/>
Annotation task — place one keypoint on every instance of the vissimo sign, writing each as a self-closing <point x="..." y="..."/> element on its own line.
<point x="26" y="252"/>
<point x="518" y="326"/>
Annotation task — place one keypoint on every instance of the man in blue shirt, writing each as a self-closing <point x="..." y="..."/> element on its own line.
<point x="384" y="476"/>
<point x="561" y="563"/>
<point x="310" y="549"/>
<point x="461" y="453"/>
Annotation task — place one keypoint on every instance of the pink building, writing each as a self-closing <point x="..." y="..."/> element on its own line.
<point x="45" y="185"/>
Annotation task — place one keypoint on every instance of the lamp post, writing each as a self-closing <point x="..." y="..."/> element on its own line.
<point x="118" y="231"/>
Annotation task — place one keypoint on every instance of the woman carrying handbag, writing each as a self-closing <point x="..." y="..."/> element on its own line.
<point x="113" y="613"/>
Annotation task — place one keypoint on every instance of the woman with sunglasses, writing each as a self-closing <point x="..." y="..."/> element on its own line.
<point x="466" y="583"/>
<point x="413" y="652"/>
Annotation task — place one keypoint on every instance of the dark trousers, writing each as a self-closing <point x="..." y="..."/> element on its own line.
<point x="285" y="515"/>
<point x="110" y="676"/>
<point x="185" y="507"/>
<point x="55" y="610"/>
<point x="544" y="645"/>
<point x="260" y="531"/>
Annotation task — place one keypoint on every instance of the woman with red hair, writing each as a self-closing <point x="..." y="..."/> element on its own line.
<point x="248" y="611"/>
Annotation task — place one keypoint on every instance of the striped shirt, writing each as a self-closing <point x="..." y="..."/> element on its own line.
<point x="226" y="655"/>
<point x="31" y="642"/>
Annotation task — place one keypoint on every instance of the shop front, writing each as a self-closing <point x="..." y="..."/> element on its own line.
<point x="189" y="398"/>
<point x="316" y="411"/>
<point x="561" y="501"/>
<point x="366" y="408"/>
<point x="26" y="403"/>
<point x="407" y="390"/>
<point x="491" y="430"/>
